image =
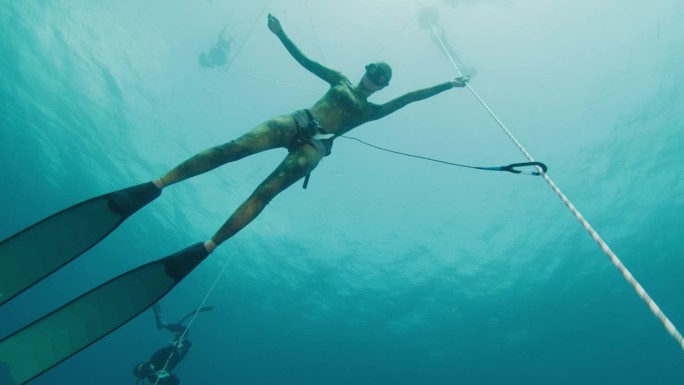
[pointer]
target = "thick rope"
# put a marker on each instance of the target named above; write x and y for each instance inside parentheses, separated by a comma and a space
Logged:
(669, 326)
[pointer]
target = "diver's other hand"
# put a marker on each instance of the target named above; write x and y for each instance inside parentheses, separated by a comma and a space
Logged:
(460, 81)
(274, 24)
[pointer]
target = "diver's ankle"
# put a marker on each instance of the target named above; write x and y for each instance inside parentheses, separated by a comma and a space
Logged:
(159, 183)
(210, 245)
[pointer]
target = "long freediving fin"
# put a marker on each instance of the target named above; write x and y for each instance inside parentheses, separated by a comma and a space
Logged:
(35, 252)
(192, 313)
(41, 345)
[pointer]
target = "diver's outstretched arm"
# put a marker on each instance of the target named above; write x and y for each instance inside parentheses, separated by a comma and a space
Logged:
(402, 101)
(327, 74)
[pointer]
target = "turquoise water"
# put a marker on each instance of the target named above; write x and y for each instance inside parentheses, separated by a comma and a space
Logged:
(387, 269)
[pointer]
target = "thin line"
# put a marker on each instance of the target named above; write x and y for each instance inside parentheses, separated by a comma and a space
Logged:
(192, 320)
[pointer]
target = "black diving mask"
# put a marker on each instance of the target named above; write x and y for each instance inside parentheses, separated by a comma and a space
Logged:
(377, 75)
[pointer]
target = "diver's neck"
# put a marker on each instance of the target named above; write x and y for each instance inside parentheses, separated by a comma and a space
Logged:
(362, 91)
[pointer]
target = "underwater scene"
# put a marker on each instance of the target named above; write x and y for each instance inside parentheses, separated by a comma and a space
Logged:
(493, 192)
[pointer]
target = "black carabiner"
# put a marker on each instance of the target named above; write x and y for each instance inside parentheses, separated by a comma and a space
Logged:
(511, 167)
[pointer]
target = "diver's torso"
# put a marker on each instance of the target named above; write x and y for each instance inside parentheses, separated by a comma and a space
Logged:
(341, 109)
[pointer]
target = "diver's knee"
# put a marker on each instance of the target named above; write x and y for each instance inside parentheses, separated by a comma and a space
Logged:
(262, 196)
(261, 199)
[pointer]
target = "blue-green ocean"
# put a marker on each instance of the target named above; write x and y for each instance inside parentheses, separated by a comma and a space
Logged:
(387, 269)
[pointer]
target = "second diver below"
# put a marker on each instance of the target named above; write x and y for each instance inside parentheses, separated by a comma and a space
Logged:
(307, 134)
(159, 368)
(218, 54)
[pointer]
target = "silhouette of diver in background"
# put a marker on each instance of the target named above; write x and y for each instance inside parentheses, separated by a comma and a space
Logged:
(428, 19)
(217, 55)
(157, 370)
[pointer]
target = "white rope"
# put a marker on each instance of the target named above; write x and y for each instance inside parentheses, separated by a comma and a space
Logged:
(225, 265)
(276, 82)
(249, 33)
(619, 265)
(669, 326)
(313, 29)
(390, 42)
(192, 320)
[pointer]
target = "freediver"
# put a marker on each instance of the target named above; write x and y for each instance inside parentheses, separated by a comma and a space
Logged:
(218, 54)
(428, 19)
(307, 134)
(35, 252)
(159, 368)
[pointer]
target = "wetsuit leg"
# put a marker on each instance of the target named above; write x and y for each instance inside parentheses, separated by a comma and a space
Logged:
(159, 320)
(277, 132)
(297, 164)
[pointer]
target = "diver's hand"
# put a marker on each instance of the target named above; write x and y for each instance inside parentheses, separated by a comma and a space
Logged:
(274, 24)
(460, 81)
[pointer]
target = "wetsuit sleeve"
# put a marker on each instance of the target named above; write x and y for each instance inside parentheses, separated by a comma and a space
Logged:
(395, 104)
(329, 75)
